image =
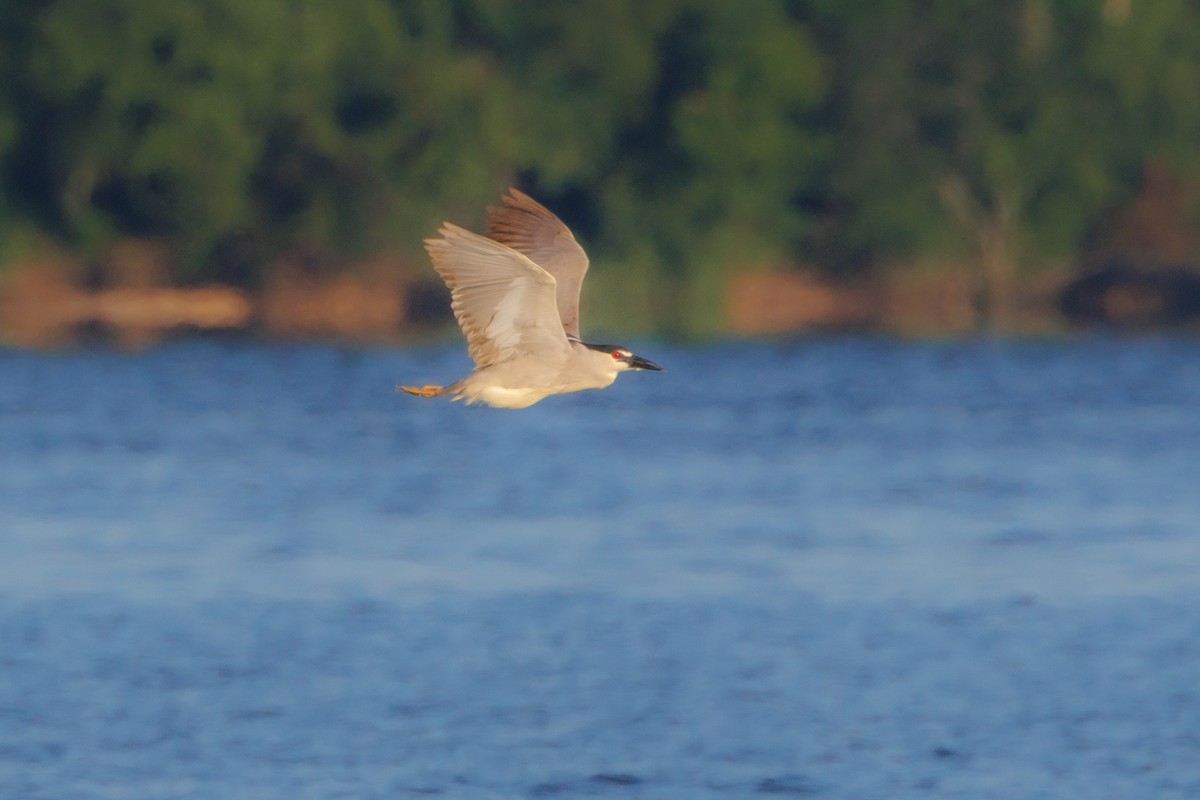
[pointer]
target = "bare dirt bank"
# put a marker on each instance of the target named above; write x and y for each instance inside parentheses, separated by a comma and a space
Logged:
(49, 304)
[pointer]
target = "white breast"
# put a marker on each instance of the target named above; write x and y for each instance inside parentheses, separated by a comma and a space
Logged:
(501, 397)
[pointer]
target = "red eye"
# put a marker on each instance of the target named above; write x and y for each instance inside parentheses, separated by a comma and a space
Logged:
(617, 355)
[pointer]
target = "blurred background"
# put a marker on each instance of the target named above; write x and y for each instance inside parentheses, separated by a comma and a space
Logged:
(770, 167)
(912, 511)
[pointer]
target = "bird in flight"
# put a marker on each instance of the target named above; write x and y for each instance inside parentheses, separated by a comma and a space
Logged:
(515, 293)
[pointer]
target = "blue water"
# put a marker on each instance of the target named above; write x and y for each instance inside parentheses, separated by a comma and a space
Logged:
(842, 568)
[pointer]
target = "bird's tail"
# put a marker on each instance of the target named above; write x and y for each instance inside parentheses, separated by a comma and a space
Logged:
(423, 391)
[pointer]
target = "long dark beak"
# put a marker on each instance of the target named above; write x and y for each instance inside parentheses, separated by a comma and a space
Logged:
(637, 362)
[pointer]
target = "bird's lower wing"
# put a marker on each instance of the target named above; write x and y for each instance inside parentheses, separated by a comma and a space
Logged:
(533, 230)
(504, 303)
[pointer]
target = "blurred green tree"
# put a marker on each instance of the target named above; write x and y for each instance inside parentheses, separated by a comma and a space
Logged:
(684, 123)
(682, 139)
(1001, 130)
(273, 123)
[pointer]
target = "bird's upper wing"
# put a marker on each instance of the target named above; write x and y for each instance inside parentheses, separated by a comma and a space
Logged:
(528, 227)
(503, 301)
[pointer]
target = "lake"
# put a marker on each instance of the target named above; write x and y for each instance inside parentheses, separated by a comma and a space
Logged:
(842, 567)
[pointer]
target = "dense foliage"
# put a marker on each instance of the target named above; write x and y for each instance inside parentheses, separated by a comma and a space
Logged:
(681, 138)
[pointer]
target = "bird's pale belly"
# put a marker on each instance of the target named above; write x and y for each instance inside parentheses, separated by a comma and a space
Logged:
(501, 397)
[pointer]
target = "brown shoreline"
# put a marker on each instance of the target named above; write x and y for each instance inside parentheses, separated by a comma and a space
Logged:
(42, 307)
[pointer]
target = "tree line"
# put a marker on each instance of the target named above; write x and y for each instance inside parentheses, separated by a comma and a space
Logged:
(681, 139)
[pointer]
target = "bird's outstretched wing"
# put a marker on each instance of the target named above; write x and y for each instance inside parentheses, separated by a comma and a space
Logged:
(528, 227)
(504, 302)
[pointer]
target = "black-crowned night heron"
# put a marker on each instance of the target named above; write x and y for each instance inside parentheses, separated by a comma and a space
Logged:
(515, 292)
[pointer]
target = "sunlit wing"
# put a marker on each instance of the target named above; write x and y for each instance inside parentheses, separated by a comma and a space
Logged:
(528, 227)
(504, 303)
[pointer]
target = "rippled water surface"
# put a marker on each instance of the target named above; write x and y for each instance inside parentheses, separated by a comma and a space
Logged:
(844, 568)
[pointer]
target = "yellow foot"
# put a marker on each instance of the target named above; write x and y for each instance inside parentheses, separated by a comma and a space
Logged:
(421, 391)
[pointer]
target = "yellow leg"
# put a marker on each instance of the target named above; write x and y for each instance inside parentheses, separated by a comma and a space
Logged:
(422, 391)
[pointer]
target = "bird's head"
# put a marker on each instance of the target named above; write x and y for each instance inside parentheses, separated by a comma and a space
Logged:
(624, 359)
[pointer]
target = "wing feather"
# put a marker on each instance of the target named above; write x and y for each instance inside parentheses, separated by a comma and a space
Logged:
(504, 303)
(530, 228)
